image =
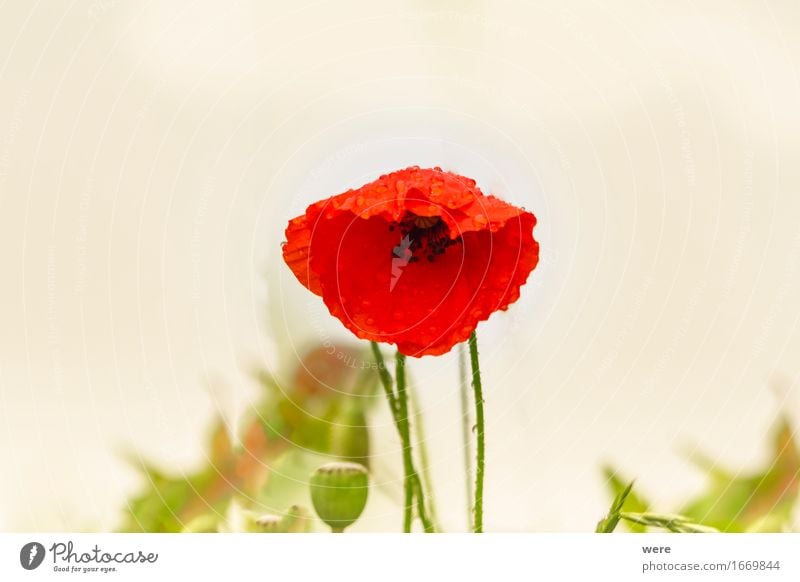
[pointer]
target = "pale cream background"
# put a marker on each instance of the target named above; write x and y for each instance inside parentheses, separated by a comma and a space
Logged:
(150, 154)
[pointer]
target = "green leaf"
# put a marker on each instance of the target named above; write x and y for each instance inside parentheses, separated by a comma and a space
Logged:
(760, 501)
(670, 522)
(630, 500)
(609, 523)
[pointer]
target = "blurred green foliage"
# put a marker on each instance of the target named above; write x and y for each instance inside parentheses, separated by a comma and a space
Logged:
(319, 413)
(733, 501)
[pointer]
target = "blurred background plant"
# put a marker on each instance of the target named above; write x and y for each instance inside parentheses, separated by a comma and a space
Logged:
(263, 481)
(733, 501)
(318, 415)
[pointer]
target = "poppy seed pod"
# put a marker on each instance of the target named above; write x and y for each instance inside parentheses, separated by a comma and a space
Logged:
(339, 493)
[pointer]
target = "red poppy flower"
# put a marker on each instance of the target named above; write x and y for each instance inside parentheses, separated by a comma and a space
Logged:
(416, 258)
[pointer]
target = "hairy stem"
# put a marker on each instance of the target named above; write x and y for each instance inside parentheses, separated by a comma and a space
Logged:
(398, 402)
(405, 435)
(465, 429)
(413, 484)
(385, 378)
(479, 424)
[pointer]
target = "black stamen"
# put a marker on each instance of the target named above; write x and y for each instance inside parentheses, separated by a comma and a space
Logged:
(427, 236)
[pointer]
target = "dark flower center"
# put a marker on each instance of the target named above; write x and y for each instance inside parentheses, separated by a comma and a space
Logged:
(421, 236)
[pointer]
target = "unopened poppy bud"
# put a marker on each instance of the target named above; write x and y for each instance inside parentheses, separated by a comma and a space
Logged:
(270, 524)
(339, 492)
(297, 520)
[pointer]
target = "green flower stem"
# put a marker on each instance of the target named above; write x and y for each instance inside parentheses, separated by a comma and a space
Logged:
(422, 511)
(413, 484)
(479, 423)
(398, 403)
(419, 436)
(465, 429)
(385, 378)
(405, 436)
